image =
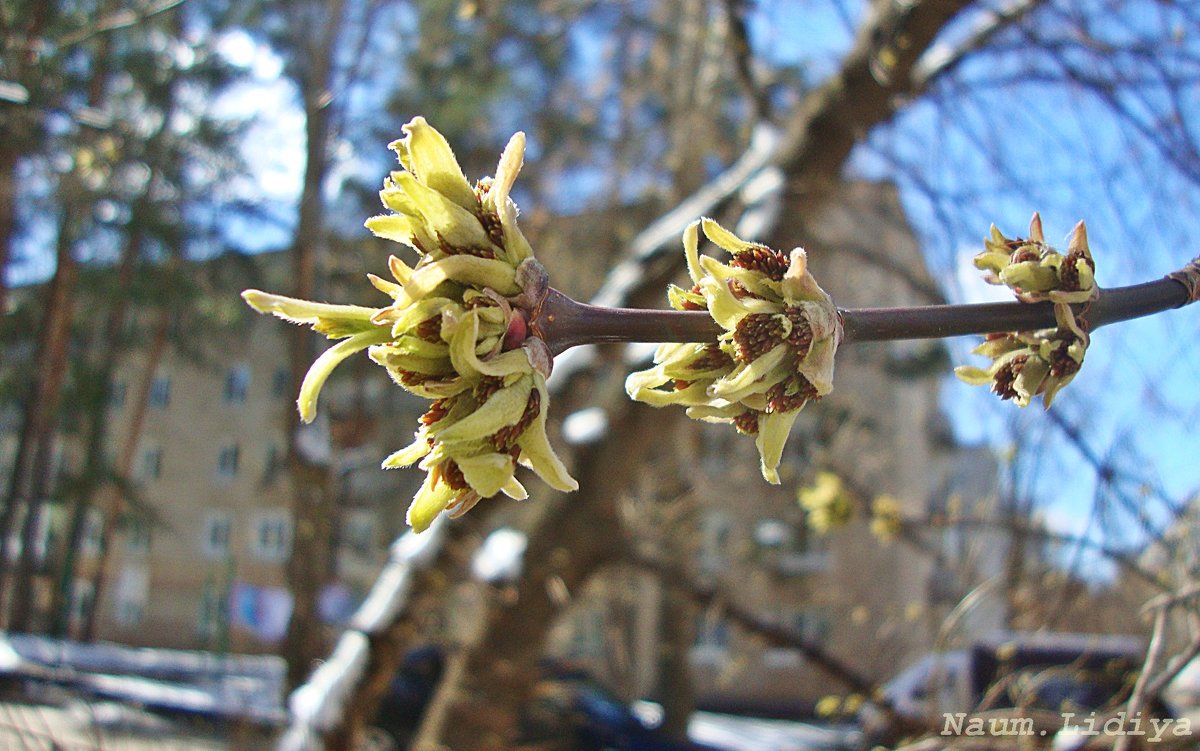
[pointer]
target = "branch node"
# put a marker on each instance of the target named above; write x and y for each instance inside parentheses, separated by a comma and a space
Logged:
(1189, 277)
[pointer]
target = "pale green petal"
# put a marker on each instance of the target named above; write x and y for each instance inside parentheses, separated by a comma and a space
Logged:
(335, 321)
(719, 411)
(463, 353)
(515, 245)
(456, 225)
(395, 227)
(433, 162)
(412, 345)
(817, 365)
(1029, 381)
(411, 453)
(694, 394)
(642, 380)
(487, 474)
(401, 271)
(400, 201)
(773, 430)
(406, 318)
(997, 347)
(503, 408)
(319, 372)
(973, 376)
(725, 239)
(515, 490)
(798, 284)
(536, 450)
(484, 272)
(1030, 276)
(429, 501)
(691, 251)
(391, 289)
(755, 377)
(755, 282)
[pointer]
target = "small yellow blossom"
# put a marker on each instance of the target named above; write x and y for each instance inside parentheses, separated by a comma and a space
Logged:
(826, 503)
(886, 519)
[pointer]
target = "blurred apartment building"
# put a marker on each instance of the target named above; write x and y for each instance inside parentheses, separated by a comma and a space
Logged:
(203, 566)
(200, 554)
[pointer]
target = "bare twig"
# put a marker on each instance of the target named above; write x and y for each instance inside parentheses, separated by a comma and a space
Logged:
(566, 323)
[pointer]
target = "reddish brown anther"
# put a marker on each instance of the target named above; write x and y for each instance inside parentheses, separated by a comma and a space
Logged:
(430, 329)
(772, 263)
(505, 439)
(1006, 376)
(713, 358)
(780, 400)
(436, 411)
(757, 334)
(747, 422)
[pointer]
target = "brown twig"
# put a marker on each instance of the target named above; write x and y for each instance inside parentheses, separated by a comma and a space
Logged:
(566, 323)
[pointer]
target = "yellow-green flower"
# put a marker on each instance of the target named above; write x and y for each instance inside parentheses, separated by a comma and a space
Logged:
(781, 333)
(1035, 271)
(1028, 363)
(456, 331)
(826, 502)
(886, 518)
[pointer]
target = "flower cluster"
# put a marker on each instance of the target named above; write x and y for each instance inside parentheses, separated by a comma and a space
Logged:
(781, 333)
(457, 331)
(826, 503)
(1028, 363)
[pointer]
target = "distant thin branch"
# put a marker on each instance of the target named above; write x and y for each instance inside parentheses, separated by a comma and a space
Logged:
(121, 19)
(673, 575)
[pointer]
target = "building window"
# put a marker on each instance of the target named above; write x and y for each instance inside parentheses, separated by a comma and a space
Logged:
(280, 382)
(274, 461)
(218, 530)
(117, 391)
(82, 598)
(44, 533)
(151, 465)
(227, 461)
(272, 536)
(715, 532)
(137, 537)
(358, 533)
(213, 615)
(93, 533)
(237, 383)
(131, 595)
(711, 646)
(160, 392)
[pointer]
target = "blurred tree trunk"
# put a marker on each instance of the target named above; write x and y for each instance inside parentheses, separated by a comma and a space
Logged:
(495, 674)
(677, 632)
(59, 315)
(95, 396)
(311, 564)
(111, 497)
(33, 464)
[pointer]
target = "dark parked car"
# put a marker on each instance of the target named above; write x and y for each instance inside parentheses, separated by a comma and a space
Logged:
(570, 709)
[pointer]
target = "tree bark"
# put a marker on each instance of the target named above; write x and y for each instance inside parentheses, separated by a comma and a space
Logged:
(573, 537)
(311, 564)
(32, 466)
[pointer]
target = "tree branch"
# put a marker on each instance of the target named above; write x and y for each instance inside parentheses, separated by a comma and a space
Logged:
(566, 323)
